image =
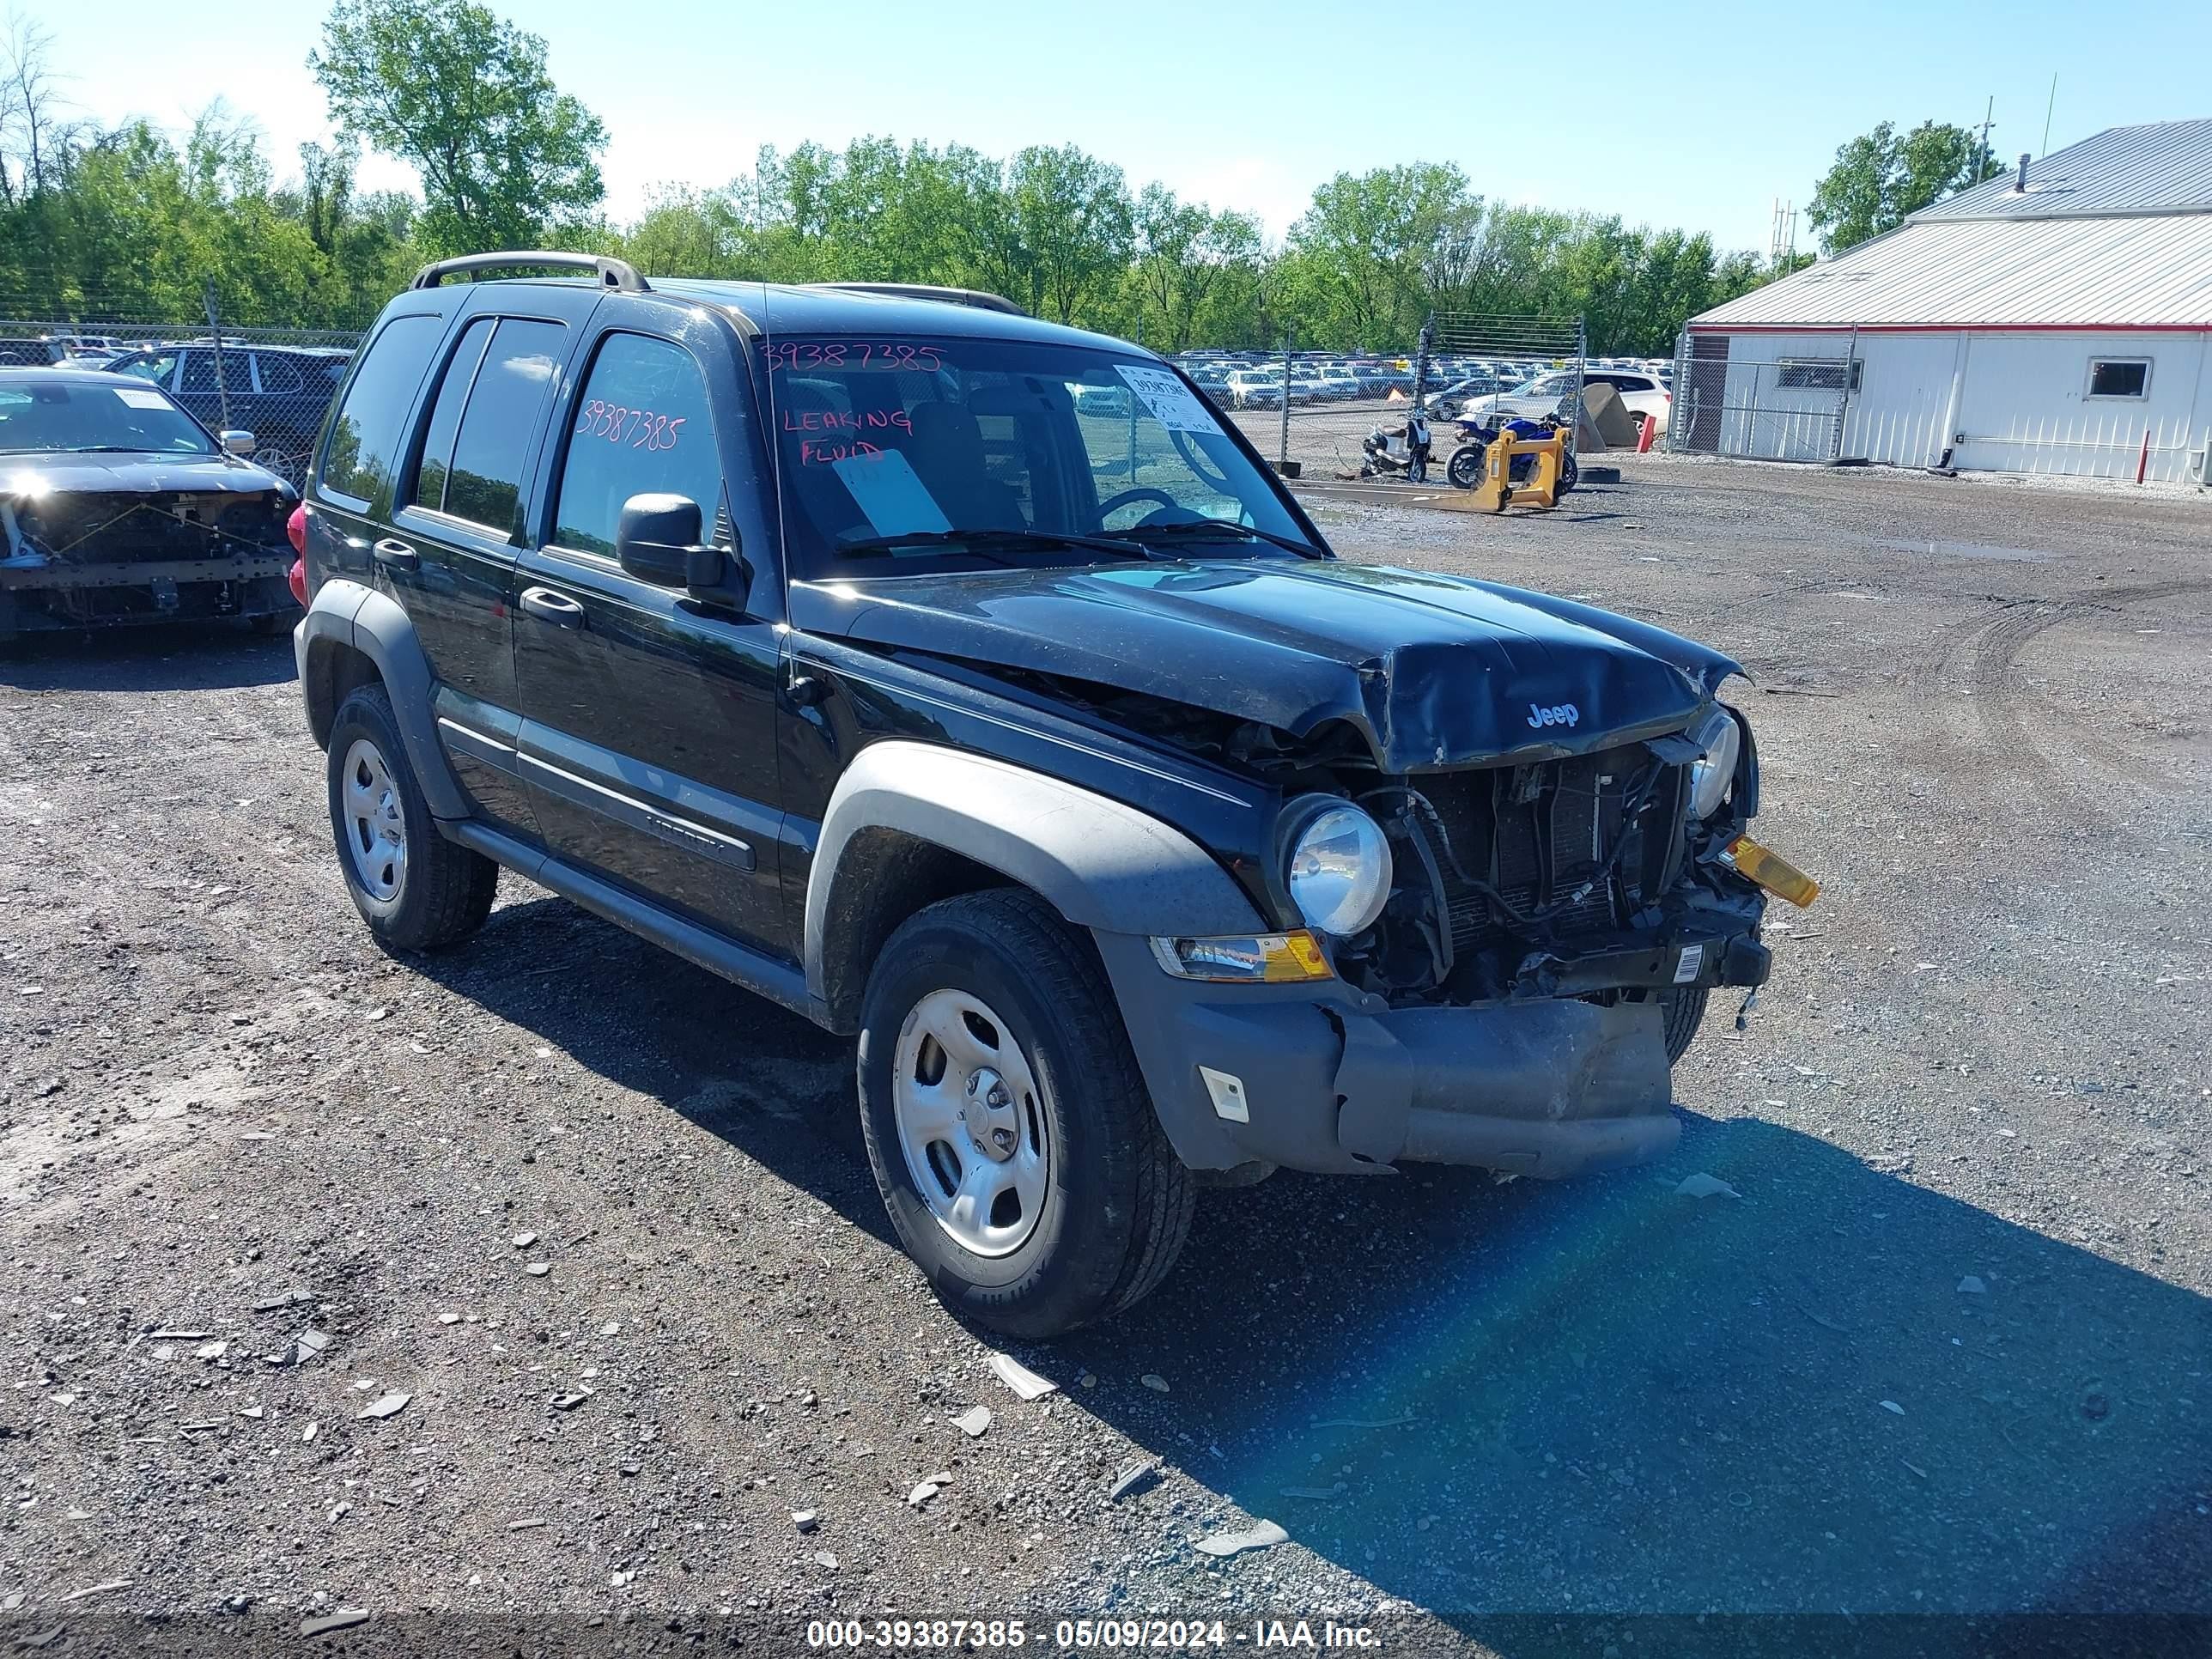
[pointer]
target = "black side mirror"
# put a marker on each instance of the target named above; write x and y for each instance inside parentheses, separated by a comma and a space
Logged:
(657, 540)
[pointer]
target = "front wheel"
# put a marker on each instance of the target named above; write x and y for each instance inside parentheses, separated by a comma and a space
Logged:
(1465, 467)
(1570, 474)
(1685, 1011)
(1008, 1127)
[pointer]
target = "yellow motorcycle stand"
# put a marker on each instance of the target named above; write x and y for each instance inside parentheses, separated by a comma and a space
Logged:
(1497, 491)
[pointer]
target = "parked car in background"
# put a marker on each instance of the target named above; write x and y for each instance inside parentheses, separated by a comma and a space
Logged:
(31, 353)
(279, 393)
(1548, 394)
(118, 507)
(1446, 404)
(1256, 389)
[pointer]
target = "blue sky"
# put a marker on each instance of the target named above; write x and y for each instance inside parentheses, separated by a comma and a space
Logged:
(1666, 115)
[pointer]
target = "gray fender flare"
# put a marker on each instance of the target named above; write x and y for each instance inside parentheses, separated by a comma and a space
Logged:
(352, 615)
(1103, 863)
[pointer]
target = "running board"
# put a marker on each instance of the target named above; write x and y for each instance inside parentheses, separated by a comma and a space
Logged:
(755, 971)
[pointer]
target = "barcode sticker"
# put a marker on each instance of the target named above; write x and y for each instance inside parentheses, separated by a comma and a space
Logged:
(1692, 958)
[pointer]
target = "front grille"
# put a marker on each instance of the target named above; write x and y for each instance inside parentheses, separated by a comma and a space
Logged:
(1535, 834)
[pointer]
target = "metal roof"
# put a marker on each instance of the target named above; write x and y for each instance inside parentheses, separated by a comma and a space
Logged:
(2163, 167)
(1988, 273)
(2114, 232)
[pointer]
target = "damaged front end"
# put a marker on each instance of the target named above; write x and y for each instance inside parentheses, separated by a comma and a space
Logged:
(72, 559)
(1603, 875)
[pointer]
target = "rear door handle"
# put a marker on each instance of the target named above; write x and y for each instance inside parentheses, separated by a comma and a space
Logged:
(396, 556)
(556, 608)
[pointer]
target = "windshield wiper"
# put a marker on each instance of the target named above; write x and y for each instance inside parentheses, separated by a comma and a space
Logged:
(983, 541)
(1196, 527)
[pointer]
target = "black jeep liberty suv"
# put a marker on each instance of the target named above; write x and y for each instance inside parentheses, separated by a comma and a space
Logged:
(969, 684)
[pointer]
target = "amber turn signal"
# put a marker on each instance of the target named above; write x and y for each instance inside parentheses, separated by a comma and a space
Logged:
(1774, 872)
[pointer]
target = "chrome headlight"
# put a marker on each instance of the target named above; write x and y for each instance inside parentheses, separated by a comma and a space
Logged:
(1338, 868)
(1712, 772)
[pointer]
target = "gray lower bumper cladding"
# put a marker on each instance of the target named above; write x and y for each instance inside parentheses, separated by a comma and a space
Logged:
(1334, 1084)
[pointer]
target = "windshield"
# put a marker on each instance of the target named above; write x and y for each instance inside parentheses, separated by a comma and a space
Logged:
(57, 415)
(878, 440)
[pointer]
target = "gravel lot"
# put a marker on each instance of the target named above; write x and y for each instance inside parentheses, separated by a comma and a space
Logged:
(1946, 1351)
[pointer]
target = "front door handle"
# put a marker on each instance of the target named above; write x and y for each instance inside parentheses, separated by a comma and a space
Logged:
(396, 556)
(556, 608)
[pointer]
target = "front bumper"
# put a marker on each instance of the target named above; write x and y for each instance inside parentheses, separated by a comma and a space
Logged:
(1338, 1082)
(56, 594)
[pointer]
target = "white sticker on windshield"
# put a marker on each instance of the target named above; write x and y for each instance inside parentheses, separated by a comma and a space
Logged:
(142, 396)
(1169, 399)
(890, 493)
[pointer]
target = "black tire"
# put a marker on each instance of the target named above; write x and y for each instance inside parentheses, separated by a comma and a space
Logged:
(1570, 474)
(1684, 1011)
(447, 890)
(1465, 467)
(1118, 1203)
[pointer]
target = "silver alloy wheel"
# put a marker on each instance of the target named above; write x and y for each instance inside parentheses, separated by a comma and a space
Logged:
(376, 827)
(970, 1123)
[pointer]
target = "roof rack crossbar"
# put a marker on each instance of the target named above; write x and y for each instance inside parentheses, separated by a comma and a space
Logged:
(950, 296)
(618, 274)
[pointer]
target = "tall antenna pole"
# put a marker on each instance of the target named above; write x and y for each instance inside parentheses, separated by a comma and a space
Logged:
(2047, 108)
(1982, 159)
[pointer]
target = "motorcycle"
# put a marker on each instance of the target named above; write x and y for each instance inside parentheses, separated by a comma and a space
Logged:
(1464, 469)
(1386, 454)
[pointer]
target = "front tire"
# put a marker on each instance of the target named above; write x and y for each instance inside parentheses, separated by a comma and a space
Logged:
(416, 889)
(1684, 1011)
(1010, 1131)
(1465, 467)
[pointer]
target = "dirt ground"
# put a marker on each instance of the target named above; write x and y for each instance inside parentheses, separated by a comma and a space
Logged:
(606, 1224)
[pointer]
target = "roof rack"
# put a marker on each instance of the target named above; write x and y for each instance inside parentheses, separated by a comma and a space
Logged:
(618, 274)
(950, 296)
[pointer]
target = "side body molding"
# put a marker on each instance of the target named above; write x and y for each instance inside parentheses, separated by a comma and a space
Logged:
(1102, 864)
(350, 615)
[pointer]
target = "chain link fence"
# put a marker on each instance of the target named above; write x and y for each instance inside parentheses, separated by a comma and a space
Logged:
(1738, 396)
(1312, 410)
(276, 383)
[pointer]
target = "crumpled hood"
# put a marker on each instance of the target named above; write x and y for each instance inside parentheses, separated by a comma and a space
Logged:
(151, 473)
(1432, 670)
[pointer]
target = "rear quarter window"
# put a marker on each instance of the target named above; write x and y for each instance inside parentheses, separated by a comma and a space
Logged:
(367, 435)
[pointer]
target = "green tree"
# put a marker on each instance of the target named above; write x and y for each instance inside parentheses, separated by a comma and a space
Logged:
(1881, 177)
(1361, 257)
(1071, 218)
(464, 97)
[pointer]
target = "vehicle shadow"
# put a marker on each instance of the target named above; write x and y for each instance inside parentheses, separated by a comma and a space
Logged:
(157, 656)
(1610, 1396)
(1839, 1391)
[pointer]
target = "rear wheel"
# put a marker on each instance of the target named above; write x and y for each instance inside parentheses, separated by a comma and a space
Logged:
(416, 889)
(1570, 474)
(1010, 1131)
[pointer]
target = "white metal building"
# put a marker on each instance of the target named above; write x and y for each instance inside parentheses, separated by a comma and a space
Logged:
(2048, 328)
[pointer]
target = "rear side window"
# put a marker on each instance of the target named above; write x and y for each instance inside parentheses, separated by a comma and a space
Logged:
(431, 474)
(641, 427)
(365, 435)
(278, 374)
(499, 422)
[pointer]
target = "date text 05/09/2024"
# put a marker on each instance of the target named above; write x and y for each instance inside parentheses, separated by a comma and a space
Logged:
(1084, 1635)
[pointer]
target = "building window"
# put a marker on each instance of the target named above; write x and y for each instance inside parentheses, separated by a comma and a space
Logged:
(2119, 377)
(1817, 373)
